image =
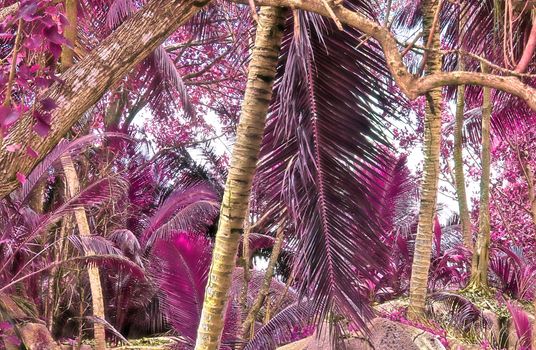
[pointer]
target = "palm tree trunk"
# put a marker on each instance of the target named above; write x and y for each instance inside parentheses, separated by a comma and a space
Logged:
(73, 187)
(458, 154)
(265, 287)
(479, 268)
(458, 170)
(432, 143)
(262, 69)
(87, 81)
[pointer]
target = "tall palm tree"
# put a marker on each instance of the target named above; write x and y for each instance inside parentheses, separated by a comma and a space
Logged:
(479, 268)
(235, 202)
(432, 142)
(73, 187)
(458, 150)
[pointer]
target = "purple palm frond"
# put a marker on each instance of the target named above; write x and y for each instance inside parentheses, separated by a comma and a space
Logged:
(93, 195)
(461, 312)
(180, 269)
(522, 325)
(64, 147)
(281, 328)
(320, 149)
(190, 208)
(512, 274)
(93, 245)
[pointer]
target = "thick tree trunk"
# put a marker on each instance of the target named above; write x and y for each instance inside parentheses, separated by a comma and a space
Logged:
(432, 143)
(85, 83)
(73, 187)
(262, 69)
(479, 268)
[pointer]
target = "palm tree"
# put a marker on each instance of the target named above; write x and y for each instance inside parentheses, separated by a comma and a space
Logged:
(458, 150)
(235, 202)
(432, 141)
(479, 268)
(73, 187)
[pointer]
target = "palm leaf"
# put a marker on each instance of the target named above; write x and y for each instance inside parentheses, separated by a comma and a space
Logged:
(319, 152)
(190, 208)
(279, 330)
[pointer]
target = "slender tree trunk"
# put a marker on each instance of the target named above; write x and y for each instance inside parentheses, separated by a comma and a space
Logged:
(73, 187)
(85, 82)
(432, 143)
(262, 69)
(458, 170)
(265, 287)
(479, 268)
(458, 155)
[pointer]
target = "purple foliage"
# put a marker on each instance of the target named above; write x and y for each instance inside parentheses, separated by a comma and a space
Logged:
(522, 325)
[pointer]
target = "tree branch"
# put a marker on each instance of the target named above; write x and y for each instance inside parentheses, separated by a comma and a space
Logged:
(81, 86)
(411, 85)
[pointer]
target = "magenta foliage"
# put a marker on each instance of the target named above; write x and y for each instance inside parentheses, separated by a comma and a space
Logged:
(514, 274)
(180, 268)
(190, 208)
(522, 325)
(319, 147)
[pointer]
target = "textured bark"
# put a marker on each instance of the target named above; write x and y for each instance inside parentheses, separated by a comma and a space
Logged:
(457, 151)
(85, 83)
(479, 267)
(458, 170)
(262, 69)
(530, 47)
(73, 187)
(71, 9)
(8, 10)
(265, 287)
(432, 143)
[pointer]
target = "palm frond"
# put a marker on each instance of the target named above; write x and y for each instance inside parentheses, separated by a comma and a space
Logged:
(281, 328)
(522, 325)
(320, 146)
(461, 313)
(190, 208)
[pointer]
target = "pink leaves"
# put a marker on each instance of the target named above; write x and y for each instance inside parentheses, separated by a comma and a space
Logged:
(21, 178)
(7, 117)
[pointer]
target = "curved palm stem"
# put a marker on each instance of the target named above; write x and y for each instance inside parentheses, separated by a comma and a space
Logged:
(458, 155)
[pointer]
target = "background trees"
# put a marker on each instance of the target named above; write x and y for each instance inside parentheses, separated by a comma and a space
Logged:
(318, 174)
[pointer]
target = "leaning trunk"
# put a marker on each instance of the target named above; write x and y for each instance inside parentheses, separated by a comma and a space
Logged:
(432, 143)
(87, 81)
(262, 69)
(73, 187)
(479, 268)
